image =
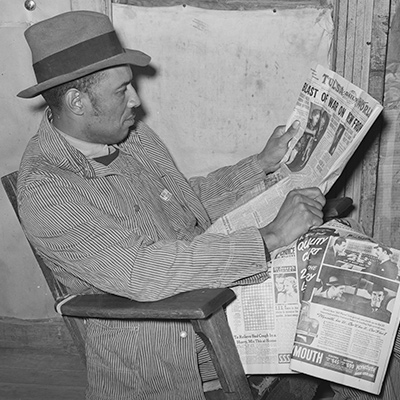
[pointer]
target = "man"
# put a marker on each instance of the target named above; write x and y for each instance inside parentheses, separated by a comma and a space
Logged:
(102, 201)
(376, 308)
(307, 327)
(338, 135)
(335, 254)
(332, 289)
(384, 266)
(279, 285)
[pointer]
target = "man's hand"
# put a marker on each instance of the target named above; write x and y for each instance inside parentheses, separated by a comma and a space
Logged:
(301, 210)
(276, 147)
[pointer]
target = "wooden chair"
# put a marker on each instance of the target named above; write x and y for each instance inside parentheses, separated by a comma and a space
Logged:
(203, 308)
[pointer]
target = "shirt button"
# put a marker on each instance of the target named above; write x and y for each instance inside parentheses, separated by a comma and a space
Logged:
(136, 208)
(183, 334)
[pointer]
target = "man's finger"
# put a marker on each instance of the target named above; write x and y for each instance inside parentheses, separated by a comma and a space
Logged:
(292, 130)
(313, 194)
(313, 203)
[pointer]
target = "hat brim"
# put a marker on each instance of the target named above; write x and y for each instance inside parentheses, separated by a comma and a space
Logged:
(132, 57)
(336, 284)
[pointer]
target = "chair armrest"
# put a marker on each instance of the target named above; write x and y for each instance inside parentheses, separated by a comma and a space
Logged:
(337, 207)
(196, 304)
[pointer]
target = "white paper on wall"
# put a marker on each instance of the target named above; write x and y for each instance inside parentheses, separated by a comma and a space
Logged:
(222, 80)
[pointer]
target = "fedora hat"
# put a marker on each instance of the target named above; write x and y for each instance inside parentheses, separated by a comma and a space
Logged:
(376, 287)
(335, 281)
(72, 45)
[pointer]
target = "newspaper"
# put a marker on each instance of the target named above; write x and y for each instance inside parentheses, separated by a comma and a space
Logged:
(286, 324)
(330, 309)
(350, 310)
(334, 117)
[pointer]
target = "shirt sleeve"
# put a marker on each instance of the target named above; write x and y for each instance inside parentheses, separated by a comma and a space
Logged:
(220, 190)
(86, 245)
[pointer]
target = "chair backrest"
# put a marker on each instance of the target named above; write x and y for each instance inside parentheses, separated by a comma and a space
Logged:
(57, 289)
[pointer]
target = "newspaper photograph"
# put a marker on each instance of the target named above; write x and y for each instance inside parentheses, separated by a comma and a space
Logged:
(334, 117)
(349, 312)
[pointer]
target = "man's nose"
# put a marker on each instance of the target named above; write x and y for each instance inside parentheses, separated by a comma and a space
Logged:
(134, 100)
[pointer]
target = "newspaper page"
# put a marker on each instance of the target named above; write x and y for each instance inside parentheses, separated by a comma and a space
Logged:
(263, 318)
(349, 312)
(334, 117)
(330, 309)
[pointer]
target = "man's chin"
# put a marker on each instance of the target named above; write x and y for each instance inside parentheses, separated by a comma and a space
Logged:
(125, 135)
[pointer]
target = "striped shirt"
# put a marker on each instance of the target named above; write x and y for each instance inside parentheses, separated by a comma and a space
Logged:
(136, 228)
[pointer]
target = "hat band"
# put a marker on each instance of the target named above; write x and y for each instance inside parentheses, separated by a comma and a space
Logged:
(79, 56)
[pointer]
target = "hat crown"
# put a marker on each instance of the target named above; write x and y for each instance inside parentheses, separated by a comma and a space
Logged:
(376, 287)
(335, 281)
(67, 30)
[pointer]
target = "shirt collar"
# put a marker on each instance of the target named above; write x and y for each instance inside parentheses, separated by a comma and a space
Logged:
(88, 149)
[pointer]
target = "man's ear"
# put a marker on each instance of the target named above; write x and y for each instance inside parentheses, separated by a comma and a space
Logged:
(73, 100)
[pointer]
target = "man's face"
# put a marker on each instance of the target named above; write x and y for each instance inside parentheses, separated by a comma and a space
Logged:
(340, 247)
(315, 118)
(109, 114)
(279, 284)
(338, 291)
(377, 298)
(378, 253)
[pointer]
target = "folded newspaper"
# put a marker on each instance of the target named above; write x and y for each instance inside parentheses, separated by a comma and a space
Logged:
(349, 312)
(330, 308)
(334, 117)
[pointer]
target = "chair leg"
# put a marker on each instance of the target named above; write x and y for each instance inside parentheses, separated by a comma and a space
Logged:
(217, 336)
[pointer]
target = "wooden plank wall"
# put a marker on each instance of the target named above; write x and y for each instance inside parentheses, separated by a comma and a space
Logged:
(359, 54)
(387, 209)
